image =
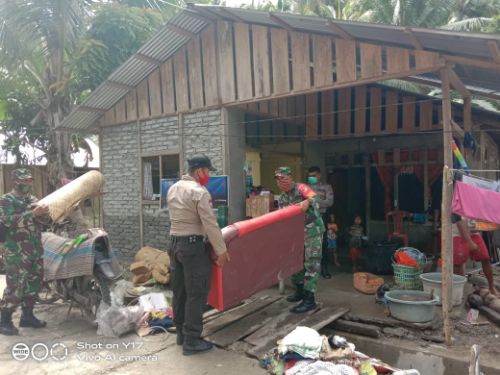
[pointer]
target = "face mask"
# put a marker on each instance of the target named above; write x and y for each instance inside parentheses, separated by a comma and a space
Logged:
(312, 180)
(284, 185)
(203, 178)
(24, 188)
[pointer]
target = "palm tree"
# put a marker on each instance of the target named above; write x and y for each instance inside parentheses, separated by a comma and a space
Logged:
(38, 38)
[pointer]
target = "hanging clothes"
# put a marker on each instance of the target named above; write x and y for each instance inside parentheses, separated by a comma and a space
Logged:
(476, 203)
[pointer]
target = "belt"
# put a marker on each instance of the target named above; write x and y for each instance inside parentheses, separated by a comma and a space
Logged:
(193, 238)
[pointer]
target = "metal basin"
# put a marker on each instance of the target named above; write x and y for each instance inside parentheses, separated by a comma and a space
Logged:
(411, 305)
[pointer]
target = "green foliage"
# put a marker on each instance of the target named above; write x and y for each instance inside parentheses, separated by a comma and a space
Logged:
(116, 32)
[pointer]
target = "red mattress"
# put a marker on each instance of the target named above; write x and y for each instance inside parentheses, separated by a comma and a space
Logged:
(263, 251)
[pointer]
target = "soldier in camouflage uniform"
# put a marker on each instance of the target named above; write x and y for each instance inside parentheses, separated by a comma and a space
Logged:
(302, 195)
(22, 244)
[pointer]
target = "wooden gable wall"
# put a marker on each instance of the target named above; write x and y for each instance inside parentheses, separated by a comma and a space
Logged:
(232, 63)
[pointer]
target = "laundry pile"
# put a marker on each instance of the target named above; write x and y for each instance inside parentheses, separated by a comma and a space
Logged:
(155, 321)
(305, 352)
(150, 263)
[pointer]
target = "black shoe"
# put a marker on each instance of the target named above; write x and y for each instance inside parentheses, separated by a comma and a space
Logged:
(325, 272)
(195, 346)
(179, 339)
(307, 304)
(6, 326)
(30, 320)
(298, 295)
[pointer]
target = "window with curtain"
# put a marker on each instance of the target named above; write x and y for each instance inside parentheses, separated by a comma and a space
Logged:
(155, 168)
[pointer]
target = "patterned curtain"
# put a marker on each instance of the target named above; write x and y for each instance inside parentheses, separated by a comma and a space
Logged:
(147, 191)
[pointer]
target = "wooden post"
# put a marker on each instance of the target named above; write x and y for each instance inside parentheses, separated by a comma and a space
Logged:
(446, 240)
(368, 184)
(427, 188)
(141, 179)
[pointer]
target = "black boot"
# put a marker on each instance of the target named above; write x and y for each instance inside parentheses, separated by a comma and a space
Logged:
(29, 320)
(6, 326)
(307, 304)
(195, 346)
(298, 295)
(325, 272)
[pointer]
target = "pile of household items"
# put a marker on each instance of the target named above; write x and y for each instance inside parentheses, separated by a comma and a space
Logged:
(305, 352)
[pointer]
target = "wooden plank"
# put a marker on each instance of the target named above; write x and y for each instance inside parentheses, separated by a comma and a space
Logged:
(120, 112)
(195, 76)
(243, 61)
(264, 107)
(279, 328)
(261, 63)
(291, 126)
(345, 61)
(109, 117)
(210, 78)
(226, 61)
(391, 111)
(143, 99)
(300, 109)
(155, 92)
(344, 111)
(409, 113)
(371, 60)
(167, 87)
(360, 110)
(375, 110)
(273, 107)
(236, 313)
(328, 118)
(248, 325)
(425, 115)
(181, 81)
(301, 73)
(131, 100)
(398, 60)
(357, 328)
(281, 68)
(312, 116)
(322, 57)
(426, 59)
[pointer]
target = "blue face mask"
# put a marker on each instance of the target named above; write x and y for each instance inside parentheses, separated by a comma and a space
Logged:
(312, 180)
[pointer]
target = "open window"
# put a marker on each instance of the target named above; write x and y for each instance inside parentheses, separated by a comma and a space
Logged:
(155, 168)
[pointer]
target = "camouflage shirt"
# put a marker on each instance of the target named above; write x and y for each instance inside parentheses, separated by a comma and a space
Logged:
(314, 223)
(21, 232)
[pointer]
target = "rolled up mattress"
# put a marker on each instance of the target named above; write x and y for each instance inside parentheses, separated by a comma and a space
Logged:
(62, 201)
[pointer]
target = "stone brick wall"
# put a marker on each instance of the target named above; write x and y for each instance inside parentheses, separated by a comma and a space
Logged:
(159, 135)
(203, 134)
(121, 170)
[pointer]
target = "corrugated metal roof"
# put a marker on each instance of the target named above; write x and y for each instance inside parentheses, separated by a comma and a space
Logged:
(166, 42)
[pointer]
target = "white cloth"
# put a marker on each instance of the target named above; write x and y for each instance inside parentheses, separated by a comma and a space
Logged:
(302, 340)
(320, 368)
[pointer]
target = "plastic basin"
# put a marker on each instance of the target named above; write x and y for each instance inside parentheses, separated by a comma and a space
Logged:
(433, 281)
(412, 306)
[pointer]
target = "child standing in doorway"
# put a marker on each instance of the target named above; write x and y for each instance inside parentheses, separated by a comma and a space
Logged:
(332, 230)
(356, 241)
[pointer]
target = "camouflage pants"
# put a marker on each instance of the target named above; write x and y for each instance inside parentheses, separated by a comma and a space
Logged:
(312, 263)
(24, 275)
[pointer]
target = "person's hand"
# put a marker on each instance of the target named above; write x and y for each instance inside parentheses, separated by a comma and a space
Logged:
(221, 260)
(304, 205)
(40, 210)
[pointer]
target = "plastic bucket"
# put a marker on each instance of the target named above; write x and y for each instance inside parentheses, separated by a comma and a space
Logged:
(433, 281)
(411, 305)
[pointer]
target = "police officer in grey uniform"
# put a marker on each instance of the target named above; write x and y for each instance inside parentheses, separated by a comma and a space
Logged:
(191, 221)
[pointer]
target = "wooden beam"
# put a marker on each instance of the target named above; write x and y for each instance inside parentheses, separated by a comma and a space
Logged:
(339, 30)
(148, 59)
(413, 39)
(446, 240)
(180, 31)
(494, 50)
(457, 130)
(472, 62)
(281, 22)
(194, 13)
(230, 14)
(457, 83)
(467, 113)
